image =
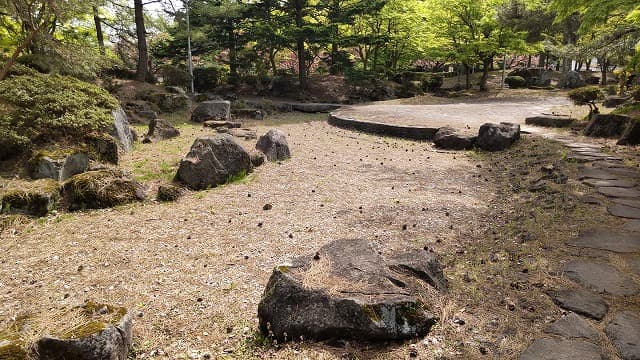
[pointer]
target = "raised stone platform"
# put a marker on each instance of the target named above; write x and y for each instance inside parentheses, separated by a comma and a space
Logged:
(384, 129)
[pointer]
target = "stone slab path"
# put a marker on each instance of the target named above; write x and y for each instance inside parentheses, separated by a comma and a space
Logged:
(598, 284)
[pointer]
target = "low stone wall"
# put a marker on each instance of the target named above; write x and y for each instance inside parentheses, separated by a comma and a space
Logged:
(401, 131)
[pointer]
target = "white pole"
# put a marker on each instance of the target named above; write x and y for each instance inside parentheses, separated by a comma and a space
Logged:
(189, 61)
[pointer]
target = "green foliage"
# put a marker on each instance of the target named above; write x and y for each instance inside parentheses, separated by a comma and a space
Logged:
(586, 95)
(516, 82)
(597, 12)
(40, 108)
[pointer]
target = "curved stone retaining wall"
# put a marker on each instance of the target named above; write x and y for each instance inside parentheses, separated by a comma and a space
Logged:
(401, 131)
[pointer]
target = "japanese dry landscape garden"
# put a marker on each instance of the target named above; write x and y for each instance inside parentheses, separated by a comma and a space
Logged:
(319, 179)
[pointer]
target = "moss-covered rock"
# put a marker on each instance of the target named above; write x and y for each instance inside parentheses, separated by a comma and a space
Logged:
(168, 193)
(104, 332)
(101, 189)
(102, 147)
(35, 198)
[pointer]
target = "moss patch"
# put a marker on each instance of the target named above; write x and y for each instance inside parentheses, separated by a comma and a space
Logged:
(101, 189)
(36, 198)
(39, 108)
(98, 317)
(11, 351)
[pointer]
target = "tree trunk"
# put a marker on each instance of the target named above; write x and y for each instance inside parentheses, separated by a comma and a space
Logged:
(142, 71)
(99, 34)
(334, 17)
(603, 69)
(485, 73)
(467, 76)
(302, 69)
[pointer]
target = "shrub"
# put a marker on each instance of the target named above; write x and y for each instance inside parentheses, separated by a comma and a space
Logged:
(515, 82)
(208, 78)
(41, 108)
(175, 75)
(587, 95)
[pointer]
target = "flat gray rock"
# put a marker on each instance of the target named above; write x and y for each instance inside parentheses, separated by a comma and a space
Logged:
(582, 158)
(608, 239)
(632, 225)
(600, 277)
(610, 183)
(593, 173)
(580, 301)
(619, 192)
(624, 332)
(572, 326)
(624, 211)
(574, 145)
(609, 164)
(627, 202)
(559, 349)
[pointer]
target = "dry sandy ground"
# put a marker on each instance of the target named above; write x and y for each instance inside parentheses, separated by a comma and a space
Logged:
(195, 269)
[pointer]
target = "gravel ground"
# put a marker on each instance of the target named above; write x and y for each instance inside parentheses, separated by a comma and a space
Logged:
(195, 269)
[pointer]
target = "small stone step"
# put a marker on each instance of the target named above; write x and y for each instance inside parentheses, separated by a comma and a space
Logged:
(619, 192)
(624, 211)
(600, 277)
(610, 183)
(580, 301)
(559, 349)
(573, 326)
(624, 332)
(608, 239)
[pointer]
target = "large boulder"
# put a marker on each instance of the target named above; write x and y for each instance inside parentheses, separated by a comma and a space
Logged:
(58, 166)
(495, 137)
(169, 102)
(212, 161)
(349, 291)
(212, 110)
(450, 139)
(101, 189)
(162, 129)
(255, 114)
(572, 80)
(104, 333)
(274, 145)
(121, 131)
(607, 125)
(36, 198)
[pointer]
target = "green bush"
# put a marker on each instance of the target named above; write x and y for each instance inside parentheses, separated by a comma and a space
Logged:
(587, 95)
(175, 75)
(208, 78)
(39, 108)
(516, 82)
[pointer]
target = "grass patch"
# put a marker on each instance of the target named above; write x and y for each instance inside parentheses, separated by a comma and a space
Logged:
(240, 178)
